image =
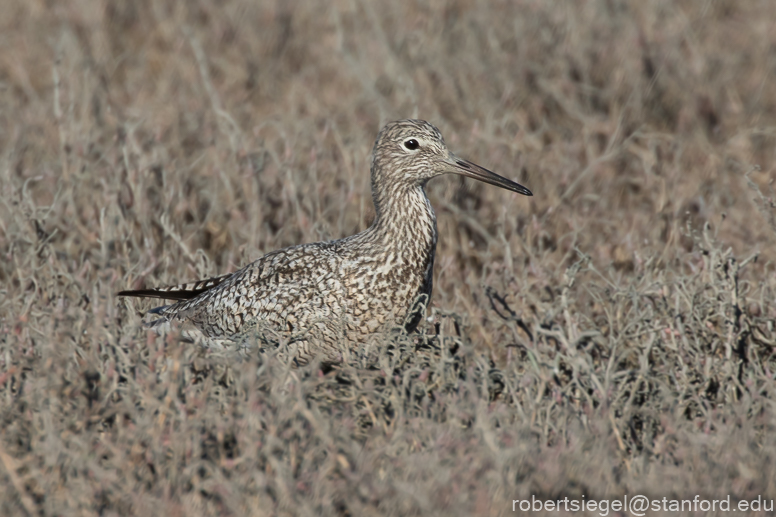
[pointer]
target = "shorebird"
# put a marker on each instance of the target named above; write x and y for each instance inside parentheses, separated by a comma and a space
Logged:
(318, 297)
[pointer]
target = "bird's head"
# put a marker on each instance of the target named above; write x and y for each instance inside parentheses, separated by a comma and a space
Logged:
(411, 152)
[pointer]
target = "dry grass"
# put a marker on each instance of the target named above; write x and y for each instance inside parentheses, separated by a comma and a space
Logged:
(612, 335)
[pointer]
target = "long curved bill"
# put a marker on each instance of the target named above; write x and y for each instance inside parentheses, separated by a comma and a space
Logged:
(472, 170)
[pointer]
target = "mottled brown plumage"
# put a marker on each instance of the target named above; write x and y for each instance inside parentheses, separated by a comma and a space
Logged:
(320, 297)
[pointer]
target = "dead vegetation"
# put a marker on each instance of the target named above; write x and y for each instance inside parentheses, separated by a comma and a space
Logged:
(612, 335)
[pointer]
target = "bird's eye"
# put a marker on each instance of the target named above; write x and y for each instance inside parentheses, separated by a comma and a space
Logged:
(411, 144)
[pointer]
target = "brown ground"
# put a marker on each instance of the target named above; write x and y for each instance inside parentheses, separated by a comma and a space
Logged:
(616, 330)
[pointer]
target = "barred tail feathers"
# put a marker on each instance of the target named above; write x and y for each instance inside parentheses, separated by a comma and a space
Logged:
(177, 292)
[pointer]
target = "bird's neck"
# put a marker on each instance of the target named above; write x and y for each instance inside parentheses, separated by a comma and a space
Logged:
(404, 220)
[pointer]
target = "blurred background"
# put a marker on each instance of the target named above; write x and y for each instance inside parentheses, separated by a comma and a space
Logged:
(250, 123)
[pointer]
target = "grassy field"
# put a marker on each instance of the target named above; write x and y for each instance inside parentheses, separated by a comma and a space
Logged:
(612, 335)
